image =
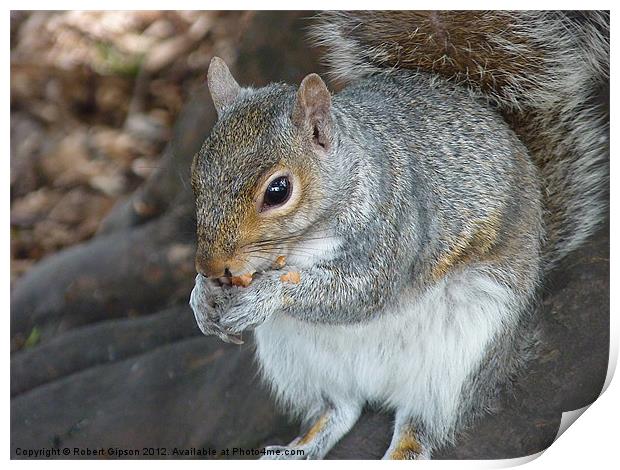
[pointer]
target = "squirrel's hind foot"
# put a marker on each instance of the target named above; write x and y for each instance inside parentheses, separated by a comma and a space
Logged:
(325, 431)
(407, 442)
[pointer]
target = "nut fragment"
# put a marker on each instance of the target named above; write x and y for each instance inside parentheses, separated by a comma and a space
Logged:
(280, 262)
(242, 281)
(293, 277)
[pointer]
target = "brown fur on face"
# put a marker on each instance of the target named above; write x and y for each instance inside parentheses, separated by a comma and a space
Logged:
(252, 140)
(231, 245)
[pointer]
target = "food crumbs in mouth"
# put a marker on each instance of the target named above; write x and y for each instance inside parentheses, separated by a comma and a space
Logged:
(293, 277)
(242, 281)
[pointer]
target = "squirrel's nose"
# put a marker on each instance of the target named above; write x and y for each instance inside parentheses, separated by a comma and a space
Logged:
(211, 267)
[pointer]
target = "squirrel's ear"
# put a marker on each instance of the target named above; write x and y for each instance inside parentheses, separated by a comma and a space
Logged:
(312, 111)
(223, 87)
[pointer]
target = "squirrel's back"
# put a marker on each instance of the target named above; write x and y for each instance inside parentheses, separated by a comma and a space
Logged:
(545, 72)
(453, 162)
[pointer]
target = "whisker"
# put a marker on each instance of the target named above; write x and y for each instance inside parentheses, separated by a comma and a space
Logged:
(273, 241)
(274, 250)
(290, 251)
(273, 247)
(252, 266)
(261, 257)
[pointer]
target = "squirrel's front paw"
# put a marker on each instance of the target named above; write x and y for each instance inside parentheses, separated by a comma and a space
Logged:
(243, 315)
(207, 300)
(252, 305)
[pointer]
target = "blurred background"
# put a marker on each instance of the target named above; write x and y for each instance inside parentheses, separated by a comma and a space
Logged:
(107, 111)
(94, 96)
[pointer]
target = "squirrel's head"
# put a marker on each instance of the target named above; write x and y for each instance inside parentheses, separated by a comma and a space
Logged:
(259, 177)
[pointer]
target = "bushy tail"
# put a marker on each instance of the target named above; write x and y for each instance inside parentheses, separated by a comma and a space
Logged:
(547, 73)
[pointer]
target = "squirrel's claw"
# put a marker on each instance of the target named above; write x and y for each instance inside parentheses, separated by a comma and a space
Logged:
(227, 338)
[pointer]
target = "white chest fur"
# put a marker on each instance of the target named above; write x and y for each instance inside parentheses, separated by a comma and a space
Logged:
(414, 358)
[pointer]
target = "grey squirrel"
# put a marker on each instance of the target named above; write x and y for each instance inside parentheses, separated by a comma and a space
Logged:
(419, 208)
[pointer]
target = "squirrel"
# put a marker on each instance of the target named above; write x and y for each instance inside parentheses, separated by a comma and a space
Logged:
(421, 208)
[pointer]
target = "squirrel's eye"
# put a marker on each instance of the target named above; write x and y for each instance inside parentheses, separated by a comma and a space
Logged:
(278, 192)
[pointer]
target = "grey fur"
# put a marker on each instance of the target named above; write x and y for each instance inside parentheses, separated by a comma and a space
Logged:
(557, 98)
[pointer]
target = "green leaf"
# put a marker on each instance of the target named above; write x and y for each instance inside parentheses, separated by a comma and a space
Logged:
(33, 338)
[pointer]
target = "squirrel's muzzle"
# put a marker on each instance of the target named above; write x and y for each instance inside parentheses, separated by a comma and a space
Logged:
(212, 268)
(219, 266)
